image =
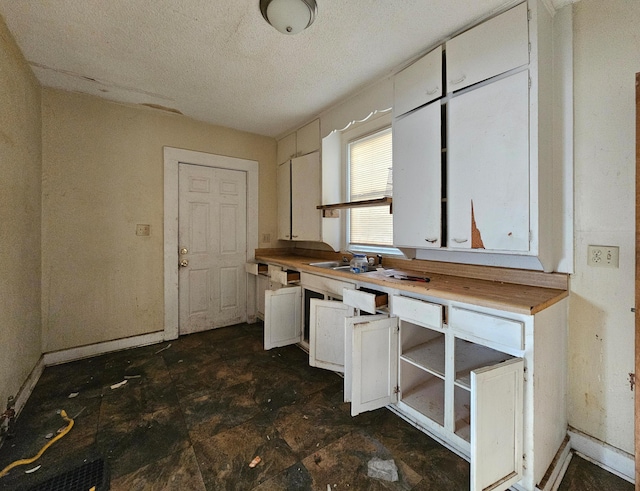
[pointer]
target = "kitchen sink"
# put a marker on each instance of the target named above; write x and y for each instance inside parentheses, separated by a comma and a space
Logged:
(335, 265)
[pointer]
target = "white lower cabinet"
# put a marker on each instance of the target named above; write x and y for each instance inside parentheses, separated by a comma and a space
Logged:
(464, 382)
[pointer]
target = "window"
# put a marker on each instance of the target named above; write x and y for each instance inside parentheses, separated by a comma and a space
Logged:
(369, 176)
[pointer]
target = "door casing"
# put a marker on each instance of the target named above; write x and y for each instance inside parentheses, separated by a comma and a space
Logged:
(172, 157)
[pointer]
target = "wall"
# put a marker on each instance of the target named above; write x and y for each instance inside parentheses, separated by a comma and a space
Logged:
(601, 327)
(102, 175)
(20, 164)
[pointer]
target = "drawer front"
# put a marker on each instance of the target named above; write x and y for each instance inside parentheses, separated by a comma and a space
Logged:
(487, 328)
(322, 284)
(255, 268)
(363, 300)
(425, 313)
(285, 277)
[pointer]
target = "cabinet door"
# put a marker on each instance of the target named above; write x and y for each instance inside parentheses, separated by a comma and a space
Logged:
(282, 317)
(284, 201)
(497, 395)
(308, 138)
(262, 285)
(371, 365)
(286, 148)
(488, 167)
(326, 334)
(494, 47)
(306, 219)
(417, 160)
(418, 84)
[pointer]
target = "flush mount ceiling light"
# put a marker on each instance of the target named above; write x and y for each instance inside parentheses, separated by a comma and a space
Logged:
(289, 16)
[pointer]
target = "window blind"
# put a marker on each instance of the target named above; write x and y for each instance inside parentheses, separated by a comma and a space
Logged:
(370, 163)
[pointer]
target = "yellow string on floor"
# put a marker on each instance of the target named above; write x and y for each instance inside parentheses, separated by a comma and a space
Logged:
(6, 470)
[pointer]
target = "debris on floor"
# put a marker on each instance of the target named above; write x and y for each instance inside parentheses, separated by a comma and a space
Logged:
(255, 462)
(163, 349)
(73, 394)
(386, 470)
(31, 471)
(118, 385)
(129, 377)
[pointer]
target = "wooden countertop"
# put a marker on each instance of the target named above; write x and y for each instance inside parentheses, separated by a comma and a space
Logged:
(521, 299)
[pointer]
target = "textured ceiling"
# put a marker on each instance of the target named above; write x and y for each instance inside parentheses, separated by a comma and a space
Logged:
(218, 60)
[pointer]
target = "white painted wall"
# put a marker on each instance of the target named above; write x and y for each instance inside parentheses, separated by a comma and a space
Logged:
(21, 164)
(601, 324)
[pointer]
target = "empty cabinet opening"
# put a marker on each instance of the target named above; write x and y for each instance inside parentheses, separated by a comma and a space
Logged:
(423, 391)
(468, 357)
(308, 295)
(422, 370)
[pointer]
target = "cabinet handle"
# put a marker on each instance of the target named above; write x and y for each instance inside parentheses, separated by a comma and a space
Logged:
(294, 236)
(431, 92)
(431, 241)
(460, 241)
(460, 80)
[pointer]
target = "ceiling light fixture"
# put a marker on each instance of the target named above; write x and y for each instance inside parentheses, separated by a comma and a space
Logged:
(289, 16)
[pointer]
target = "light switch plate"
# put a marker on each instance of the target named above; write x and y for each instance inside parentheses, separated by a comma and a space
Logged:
(603, 256)
(143, 230)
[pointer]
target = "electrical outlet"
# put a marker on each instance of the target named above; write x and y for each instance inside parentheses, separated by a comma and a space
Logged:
(266, 238)
(603, 256)
(143, 230)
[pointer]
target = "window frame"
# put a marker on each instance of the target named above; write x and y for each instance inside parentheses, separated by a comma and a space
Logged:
(362, 130)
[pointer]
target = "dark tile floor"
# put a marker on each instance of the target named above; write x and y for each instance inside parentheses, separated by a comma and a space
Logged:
(194, 415)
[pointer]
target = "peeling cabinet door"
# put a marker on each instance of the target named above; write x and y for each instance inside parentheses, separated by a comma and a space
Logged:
(488, 167)
(497, 397)
(326, 334)
(282, 317)
(371, 364)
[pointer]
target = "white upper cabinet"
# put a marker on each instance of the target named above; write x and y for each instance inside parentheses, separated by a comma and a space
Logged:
(308, 138)
(305, 140)
(298, 190)
(305, 197)
(418, 84)
(417, 194)
(489, 49)
(488, 167)
(286, 148)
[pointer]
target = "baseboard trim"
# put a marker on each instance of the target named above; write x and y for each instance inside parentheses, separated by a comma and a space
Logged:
(29, 384)
(612, 459)
(72, 354)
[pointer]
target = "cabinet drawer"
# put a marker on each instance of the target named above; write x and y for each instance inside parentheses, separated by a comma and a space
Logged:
(256, 268)
(325, 285)
(424, 313)
(364, 299)
(485, 328)
(284, 277)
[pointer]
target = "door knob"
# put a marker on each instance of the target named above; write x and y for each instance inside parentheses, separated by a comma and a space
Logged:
(184, 263)
(184, 251)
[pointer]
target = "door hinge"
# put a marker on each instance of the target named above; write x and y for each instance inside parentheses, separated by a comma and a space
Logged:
(396, 389)
(529, 48)
(530, 82)
(632, 381)
(524, 460)
(524, 374)
(528, 14)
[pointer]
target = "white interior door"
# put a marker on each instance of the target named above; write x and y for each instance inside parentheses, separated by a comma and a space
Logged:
(212, 240)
